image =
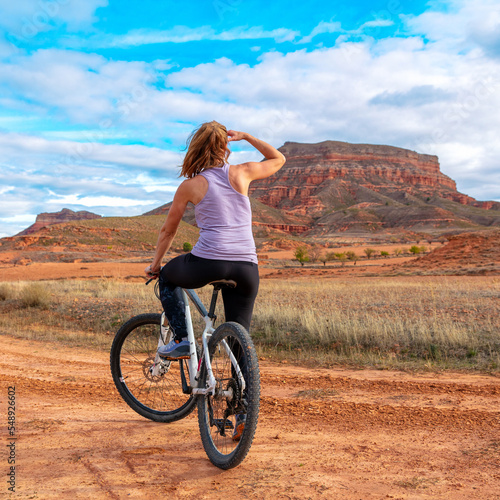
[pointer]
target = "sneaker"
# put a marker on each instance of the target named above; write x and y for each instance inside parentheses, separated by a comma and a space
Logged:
(175, 349)
(239, 426)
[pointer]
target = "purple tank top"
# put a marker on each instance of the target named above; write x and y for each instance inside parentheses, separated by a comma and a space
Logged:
(224, 217)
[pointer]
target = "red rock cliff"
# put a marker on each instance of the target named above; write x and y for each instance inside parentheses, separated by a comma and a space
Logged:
(310, 167)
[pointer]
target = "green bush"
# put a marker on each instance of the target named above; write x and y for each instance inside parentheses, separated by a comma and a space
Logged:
(301, 255)
(35, 295)
(187, 247)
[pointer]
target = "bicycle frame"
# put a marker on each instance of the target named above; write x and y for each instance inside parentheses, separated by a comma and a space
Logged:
(194, 362)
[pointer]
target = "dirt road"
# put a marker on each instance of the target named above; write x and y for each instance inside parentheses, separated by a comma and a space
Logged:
(336, 434)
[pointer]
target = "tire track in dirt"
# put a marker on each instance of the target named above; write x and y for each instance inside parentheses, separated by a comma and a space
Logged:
(346, 414)
(101, 481)
(383, 386)
(350, 415)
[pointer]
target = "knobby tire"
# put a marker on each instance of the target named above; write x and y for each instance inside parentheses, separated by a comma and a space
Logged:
(215, 413)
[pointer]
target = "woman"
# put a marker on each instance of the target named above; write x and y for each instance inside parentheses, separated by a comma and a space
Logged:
(225, 248)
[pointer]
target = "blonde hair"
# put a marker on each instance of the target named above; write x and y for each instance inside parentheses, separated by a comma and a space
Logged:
(207, 148)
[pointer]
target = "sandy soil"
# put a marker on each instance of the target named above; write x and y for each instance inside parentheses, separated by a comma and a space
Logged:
(325, 433)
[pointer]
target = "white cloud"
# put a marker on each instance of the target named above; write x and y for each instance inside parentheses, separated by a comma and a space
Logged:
(20, 147)
(321, 28)
(464, 25)
(96, 201)
(21, 218)
(6, 189)
(376, 23)
(25, 19)
(83, 87)
(184, 34)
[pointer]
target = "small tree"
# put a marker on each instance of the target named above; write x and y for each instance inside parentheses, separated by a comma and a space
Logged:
(415, 250)
(342, 257)
(187, 247)
(352, 256)
(330, 256)
(315, 253)
(384, 253)
(301, 255)
(369, 252)
(397, 251)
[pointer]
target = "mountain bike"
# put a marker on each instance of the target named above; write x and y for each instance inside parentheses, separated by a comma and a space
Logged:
(221, 377)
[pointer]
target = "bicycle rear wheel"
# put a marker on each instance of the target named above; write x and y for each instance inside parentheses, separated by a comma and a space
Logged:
(150, 386)
(217, 413)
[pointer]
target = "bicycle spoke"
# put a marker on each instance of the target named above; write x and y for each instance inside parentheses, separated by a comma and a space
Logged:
(151, 387)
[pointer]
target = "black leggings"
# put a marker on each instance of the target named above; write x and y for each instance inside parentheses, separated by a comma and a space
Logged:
(189, 271)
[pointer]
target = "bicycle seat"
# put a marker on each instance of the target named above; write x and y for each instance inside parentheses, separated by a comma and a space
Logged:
(222, 283)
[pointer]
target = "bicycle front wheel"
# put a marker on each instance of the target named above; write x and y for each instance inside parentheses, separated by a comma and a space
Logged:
(150, 386)
(220, 414)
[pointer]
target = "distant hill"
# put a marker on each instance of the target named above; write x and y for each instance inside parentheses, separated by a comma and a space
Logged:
(106, 238)
(476, 253)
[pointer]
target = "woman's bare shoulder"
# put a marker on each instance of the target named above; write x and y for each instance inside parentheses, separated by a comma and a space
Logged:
(194, 189)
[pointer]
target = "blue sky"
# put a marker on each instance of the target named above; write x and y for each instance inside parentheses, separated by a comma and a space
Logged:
(97, 97)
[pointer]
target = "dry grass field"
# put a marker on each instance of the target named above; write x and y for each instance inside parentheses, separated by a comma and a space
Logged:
(397, 322)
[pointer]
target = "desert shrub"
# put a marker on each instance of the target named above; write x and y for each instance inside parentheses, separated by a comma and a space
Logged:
(384, 253)
(35, 295)
(369, 252)
(5, 291)
(187, 247)
(415, 250)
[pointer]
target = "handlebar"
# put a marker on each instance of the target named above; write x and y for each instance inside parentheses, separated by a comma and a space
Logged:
(151, 278)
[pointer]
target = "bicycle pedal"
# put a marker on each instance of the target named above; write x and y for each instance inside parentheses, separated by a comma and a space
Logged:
(220, 422)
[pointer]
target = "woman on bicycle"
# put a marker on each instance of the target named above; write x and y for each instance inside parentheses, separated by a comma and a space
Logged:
(225, 248)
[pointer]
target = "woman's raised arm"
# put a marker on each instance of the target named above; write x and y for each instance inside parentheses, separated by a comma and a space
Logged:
(254, 170)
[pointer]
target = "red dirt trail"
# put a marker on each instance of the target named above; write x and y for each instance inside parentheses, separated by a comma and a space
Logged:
(323, 433)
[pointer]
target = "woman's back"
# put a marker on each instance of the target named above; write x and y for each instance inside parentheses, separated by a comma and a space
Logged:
(224, 217)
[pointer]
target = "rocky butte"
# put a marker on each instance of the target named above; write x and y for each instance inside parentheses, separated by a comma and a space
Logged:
(65, 215)
(363, 187)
